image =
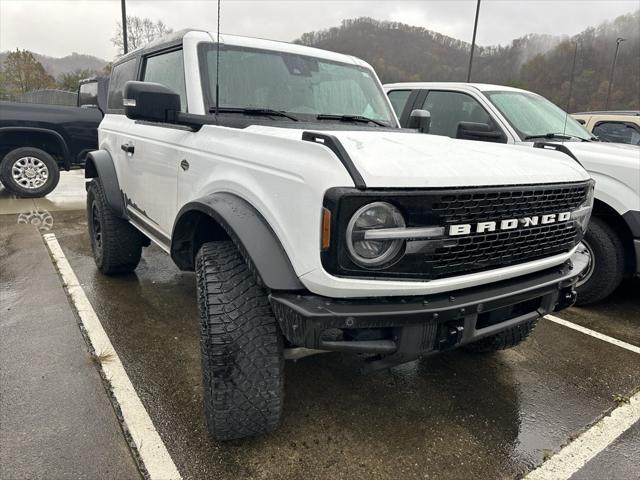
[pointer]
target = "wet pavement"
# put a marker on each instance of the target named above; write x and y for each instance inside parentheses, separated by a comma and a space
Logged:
(56, 420)
(458, 415)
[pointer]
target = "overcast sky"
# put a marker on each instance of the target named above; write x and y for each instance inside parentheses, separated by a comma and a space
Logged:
(59, 27)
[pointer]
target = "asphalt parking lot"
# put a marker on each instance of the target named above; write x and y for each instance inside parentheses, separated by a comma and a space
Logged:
(457, 415)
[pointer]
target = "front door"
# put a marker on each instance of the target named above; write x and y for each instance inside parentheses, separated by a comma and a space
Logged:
(154, 153)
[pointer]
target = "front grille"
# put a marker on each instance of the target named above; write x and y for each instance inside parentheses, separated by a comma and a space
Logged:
(481, 206)
(475, 253)
(479, 252)
(459, 255)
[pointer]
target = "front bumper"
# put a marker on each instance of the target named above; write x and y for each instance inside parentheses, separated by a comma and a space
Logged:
(404, 328)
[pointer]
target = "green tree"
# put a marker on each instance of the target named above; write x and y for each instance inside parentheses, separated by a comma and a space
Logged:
(23, 73)
(70, 81)
(140, 31)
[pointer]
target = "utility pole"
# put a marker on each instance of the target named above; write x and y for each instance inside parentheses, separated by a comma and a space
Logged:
(124, 26)
(473, 41)
(619, 40)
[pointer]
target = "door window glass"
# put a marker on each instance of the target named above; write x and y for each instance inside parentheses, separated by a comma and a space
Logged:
(617, 132)
(448, 109)
(168, 70)
(121, 74)
(398, 100)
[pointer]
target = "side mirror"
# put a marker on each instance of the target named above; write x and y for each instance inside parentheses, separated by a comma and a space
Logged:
(151, 102)
(479, 131)
(581, 121)
(421, 120)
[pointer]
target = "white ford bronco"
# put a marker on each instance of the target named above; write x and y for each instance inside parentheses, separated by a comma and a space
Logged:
(279, 174)
(493, 113)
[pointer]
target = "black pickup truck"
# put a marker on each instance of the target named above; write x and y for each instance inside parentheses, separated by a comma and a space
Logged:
(36, 140)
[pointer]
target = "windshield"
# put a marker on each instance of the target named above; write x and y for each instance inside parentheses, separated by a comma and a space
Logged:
(302, 86)
(532, 115)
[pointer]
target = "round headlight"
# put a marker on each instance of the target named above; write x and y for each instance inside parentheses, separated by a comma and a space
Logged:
(375, 216)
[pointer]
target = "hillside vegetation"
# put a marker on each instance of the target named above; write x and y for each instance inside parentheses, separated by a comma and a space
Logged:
(540, 63)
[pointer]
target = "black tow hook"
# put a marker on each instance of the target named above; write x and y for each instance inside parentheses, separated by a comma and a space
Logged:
(449, 335)
(566, 299)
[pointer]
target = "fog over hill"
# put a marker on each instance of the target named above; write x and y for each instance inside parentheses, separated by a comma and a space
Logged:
(541, 63)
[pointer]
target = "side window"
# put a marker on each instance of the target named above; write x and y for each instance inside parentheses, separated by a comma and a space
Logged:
(88, 94)
(448, 109)
(121, 74)
(618, 132)
(398, 99)
(168, 70)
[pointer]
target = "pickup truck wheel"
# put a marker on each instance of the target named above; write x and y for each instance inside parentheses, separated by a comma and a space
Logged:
(29, 172)
(606, 263)
(241, 346)
(116, 244)
(501, 341)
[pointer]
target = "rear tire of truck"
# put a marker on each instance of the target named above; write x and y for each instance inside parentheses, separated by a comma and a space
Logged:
(29, 172)
(503, 340)
(606, 263)
(116, 244)
(241, 346)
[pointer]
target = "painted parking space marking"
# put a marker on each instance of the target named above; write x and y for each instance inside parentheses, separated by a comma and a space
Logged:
(593, 333)
(153, 452)
(571, 458)
(576, 454)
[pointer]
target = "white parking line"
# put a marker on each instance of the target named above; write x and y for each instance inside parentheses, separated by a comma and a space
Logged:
(152, 451)
(574, 456)
(594, 334)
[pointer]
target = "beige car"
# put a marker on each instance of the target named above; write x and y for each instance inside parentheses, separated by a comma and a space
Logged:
(616, 126)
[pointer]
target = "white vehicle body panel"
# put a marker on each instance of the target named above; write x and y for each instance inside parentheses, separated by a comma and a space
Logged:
(286, 178)
(615, 167)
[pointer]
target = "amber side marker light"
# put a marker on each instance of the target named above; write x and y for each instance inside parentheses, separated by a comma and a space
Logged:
(326, 229)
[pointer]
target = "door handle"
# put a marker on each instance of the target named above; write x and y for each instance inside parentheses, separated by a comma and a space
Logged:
(128, 147)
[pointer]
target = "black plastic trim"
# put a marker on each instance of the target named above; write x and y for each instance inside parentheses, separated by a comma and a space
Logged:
(247, 228)
(560, 147)
(100, 164)
(333, 144)
(632, 219)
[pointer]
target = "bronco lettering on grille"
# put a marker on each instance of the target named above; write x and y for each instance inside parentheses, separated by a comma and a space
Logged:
(508, 224)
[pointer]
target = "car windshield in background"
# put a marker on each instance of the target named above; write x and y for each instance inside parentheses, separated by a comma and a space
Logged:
(533, 116)
(303, 87)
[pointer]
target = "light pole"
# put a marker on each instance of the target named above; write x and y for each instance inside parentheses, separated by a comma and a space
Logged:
(125, 47)
(473, 41)
(619, 40)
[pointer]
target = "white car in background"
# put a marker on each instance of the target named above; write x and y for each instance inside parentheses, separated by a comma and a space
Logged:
(495, 113)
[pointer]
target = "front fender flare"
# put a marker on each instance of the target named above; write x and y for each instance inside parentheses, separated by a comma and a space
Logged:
(249, 230)
(100, 164)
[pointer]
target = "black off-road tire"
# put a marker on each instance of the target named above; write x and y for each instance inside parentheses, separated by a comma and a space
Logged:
(501, 341)
(607, 255)
(116, 244)
(241, 343)
(21, 188)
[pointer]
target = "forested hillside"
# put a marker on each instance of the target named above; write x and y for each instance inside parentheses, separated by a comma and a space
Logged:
(540, 63)
(71, 63)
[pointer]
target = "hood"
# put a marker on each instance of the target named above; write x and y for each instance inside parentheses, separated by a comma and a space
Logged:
(401, 159)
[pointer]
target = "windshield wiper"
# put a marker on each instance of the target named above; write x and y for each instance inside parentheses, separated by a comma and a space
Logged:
(266, 112)
(561, 136)
(350, 118)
